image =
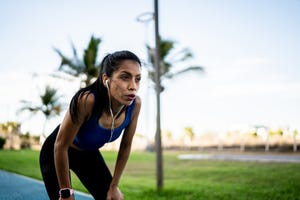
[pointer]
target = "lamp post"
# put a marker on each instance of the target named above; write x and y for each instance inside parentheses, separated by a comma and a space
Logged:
(158, 148)
(146, 17)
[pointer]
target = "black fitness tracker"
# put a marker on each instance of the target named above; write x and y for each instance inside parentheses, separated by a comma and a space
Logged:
(65, 192)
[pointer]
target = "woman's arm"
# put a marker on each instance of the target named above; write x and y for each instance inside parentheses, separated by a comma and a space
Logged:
(66, 134)
(124, 151)
(65, 137)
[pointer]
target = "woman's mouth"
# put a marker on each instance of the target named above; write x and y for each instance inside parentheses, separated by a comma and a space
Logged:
(130, 97)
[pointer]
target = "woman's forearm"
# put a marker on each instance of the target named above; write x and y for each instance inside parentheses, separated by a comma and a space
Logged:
(125, 146)
(122, 159)
(62, 167)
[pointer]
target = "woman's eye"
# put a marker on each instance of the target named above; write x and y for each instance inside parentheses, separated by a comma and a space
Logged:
(138, 79)
(124, 77)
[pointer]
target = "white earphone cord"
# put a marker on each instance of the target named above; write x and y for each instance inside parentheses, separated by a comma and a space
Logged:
(112, 115)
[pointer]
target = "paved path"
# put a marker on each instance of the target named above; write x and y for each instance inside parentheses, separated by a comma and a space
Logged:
(17, 187)
(243, 157)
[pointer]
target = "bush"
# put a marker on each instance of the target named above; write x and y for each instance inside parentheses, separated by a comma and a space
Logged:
(2, 142)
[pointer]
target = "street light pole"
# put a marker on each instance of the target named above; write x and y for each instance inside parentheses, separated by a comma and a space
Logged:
(158, 148)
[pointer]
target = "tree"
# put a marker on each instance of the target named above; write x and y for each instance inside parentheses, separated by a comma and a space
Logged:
(189, 133)
(49, 106)
(295, 133)
(11, 129)
(169, 59)
(87, 67)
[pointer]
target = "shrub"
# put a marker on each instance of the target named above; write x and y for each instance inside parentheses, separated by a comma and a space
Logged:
(2, 142)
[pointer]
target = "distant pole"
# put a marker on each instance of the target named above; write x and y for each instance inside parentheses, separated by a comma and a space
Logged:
(158, 148)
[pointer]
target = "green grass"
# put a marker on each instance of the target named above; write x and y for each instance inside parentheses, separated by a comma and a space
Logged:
(198, 179)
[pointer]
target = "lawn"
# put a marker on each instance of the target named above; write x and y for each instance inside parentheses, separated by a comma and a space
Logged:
(194, 179)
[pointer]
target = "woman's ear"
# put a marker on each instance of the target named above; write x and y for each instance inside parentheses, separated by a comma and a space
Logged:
(105, 79)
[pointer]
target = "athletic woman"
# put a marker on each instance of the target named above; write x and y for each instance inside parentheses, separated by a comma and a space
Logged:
(97, 115)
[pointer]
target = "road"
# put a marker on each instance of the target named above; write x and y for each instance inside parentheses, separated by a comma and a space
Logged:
(17, 187)
(243, 157)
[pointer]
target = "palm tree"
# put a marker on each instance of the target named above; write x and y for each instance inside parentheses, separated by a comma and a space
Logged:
(87, 68)
(169, 58)
(295, 133)
(189, 133)
(49, 105)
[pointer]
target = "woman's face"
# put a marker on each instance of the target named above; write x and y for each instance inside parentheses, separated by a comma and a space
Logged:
(125, 82)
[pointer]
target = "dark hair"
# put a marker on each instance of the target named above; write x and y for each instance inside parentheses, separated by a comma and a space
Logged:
(109, 64)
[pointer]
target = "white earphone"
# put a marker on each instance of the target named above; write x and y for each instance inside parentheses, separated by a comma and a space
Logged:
(106, 83)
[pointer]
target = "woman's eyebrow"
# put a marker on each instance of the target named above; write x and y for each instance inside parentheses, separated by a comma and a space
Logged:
(128, 73)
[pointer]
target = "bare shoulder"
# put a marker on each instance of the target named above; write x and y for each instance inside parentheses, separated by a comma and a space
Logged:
(138, 104)
(86, 103)
(138, 101)
(88, 97)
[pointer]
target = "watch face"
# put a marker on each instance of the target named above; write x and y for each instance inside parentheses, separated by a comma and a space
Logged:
(65, 193)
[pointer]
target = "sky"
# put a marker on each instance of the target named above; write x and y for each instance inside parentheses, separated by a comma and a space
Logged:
(250, 51)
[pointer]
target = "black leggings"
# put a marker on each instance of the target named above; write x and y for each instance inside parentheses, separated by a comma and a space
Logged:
(89, 166)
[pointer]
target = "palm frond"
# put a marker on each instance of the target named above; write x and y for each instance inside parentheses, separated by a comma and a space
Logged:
(87, 66)
(166, 46)
(90, 54)
(188, 69)
(72, 69)
(181, 56)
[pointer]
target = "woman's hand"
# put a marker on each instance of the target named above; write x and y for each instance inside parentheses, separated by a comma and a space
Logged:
(114, 193)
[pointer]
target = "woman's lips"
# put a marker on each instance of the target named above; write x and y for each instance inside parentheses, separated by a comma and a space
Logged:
(130, 97)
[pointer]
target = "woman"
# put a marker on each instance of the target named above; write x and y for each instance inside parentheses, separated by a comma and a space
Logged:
(97, 115)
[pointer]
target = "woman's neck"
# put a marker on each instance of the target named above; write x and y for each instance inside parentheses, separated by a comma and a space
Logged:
(116, 107)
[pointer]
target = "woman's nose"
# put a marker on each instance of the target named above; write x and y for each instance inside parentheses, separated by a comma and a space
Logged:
(133, 85)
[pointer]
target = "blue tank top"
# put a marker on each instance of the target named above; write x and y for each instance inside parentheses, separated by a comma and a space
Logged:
(92, 136)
